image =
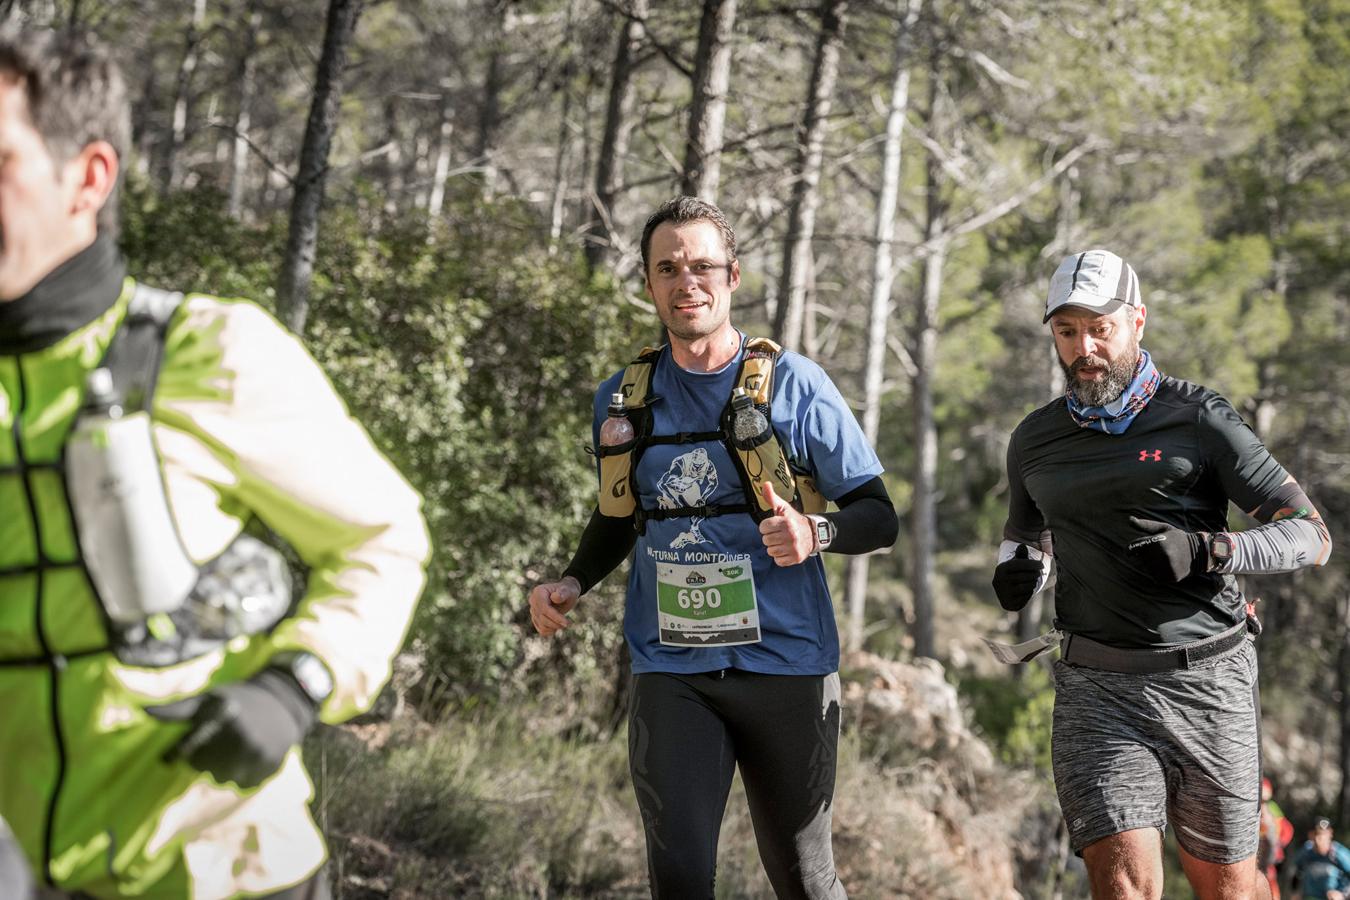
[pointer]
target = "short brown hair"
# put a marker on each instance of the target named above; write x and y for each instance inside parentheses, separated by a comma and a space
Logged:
(75, 95)
(681, 210)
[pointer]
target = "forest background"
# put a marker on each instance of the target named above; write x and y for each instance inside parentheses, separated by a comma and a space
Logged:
(444, 198)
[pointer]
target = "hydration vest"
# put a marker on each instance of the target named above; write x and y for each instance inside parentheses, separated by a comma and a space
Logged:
(766, 463)
(244, 590)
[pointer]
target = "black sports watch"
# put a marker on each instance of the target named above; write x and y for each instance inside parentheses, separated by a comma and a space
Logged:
(1220, 550)
(824, 532)
(309, 672)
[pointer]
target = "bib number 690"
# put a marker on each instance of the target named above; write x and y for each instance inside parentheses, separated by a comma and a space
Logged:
(697, 598)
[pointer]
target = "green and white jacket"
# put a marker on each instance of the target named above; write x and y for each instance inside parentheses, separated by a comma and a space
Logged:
(245, 425)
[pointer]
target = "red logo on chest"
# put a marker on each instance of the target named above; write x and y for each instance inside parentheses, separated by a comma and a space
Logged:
(1146, 455)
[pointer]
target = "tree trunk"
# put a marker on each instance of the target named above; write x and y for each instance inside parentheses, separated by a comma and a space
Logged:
(490, 114)
(171, 173)
(563, 157)
(801, 222)
(708, 107)
(924, 510)
(390, 165)
(243, 116)
(441, 169)
(1066, 223)
(600, 234)
(297, 268)
(882, 280)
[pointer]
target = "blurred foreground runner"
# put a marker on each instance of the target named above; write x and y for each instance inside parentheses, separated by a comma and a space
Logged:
(156, 672)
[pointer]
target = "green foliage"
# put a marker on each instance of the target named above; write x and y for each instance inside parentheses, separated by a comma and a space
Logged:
(471, 355)
(1221, 300)
(1015, 715)
(484, 807)
(185, 241)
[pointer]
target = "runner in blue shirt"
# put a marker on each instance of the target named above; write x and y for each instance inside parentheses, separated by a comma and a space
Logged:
(1322, 866)
(728, 616)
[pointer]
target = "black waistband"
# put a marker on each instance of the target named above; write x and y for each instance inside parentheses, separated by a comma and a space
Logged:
(1080, 651)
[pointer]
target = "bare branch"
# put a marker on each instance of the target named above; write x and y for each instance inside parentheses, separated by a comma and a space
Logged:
(257, 151)
(897, 347)
(992, 69)
(665, 52)
(1000, 210)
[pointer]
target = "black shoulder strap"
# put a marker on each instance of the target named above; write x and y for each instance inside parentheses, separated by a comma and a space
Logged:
(137, 349)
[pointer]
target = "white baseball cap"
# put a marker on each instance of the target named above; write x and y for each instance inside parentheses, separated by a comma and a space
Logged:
(1094, 279)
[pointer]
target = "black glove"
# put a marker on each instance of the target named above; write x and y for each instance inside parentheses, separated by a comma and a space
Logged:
(1168, 554)
(1015, 579)
(241, 732)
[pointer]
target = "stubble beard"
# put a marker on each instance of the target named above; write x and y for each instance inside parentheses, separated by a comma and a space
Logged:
(1119, 374)
(690, 331)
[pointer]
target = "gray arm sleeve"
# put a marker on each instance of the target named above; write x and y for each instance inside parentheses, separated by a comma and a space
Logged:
(1281, 546)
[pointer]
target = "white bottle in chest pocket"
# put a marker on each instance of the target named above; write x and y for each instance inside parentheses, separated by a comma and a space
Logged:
(127, 536)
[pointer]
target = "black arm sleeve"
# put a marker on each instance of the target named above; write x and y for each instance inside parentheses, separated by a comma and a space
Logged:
(1025, 523)
(865, 520)
(604, 544)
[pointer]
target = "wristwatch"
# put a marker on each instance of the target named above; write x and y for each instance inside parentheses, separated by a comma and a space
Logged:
(309, 672)
(824, 532)
(1220, 550)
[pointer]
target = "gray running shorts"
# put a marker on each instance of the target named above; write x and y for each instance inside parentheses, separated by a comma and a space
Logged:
(1140, 751)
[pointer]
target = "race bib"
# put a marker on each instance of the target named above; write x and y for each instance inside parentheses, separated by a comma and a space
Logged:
(706, 605)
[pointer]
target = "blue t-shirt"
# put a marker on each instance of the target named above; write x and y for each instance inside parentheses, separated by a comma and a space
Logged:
(820, 435)
(1319, 874)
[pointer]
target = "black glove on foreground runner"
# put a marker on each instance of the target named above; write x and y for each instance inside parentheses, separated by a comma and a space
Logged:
(242, 732)
(1167, 553)
(1015, 579)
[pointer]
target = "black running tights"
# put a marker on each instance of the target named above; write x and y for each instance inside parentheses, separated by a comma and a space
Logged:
(686, 736)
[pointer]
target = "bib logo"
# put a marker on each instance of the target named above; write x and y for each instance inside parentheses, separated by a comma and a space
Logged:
(619, 489)
(690, 481)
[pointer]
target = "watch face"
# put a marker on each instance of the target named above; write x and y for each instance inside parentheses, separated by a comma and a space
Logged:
(313, 676)
(1221, 547)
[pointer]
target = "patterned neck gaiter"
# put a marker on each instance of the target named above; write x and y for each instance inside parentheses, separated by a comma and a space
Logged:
(1116, 416)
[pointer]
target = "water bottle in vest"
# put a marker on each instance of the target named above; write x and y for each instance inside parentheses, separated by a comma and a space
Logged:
(130, 545)
(749, 427)
(761, 456)
(617, 429)
(617, 438)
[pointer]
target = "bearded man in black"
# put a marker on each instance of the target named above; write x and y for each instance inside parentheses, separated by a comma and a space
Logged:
(1122, 488)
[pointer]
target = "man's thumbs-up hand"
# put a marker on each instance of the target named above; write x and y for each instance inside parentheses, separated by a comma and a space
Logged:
(787, 534)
